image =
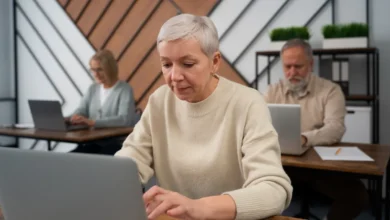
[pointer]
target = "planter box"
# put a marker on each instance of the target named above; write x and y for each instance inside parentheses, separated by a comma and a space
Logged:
(337, 43)
(276, 45)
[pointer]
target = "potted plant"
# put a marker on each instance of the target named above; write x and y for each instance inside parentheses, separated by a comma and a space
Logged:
(279, 36)
(353, 35)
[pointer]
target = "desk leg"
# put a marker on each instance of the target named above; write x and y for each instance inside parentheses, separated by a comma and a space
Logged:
(378, 214)
(48, 145)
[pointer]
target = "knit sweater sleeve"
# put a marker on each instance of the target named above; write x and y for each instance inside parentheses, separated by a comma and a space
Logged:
(138, 146)
(126, 115)
(267, 189)
(82, 109)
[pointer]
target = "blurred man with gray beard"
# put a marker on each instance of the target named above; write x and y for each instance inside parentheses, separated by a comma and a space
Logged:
(322, 123)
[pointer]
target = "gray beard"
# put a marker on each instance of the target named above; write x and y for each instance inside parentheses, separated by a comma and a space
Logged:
(299, 87)
(296, 87)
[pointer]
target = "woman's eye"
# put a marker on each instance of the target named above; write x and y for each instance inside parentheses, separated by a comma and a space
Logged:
(166, 65)
(188, 64)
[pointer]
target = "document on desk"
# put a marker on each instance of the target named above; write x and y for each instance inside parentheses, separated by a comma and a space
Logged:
(342, 153)
(25, 125)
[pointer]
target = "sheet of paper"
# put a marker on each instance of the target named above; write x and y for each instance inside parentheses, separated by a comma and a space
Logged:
(346, 153)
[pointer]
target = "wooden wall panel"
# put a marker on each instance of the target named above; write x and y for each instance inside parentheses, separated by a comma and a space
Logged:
(145, 75)
(91, 14)
(130, 25)
(160, 82)
(196, 7)
(63, 2)
(123, 28)
(75, 7)
(146, 39)
(105, 27)
(227, 71)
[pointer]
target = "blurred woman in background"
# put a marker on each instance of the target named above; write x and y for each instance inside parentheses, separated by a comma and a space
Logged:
(109, 102)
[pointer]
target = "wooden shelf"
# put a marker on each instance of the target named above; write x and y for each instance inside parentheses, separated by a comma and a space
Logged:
(360, 98)
(340, 51)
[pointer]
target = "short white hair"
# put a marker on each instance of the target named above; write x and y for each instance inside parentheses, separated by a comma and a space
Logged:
(186, 26)
(298, 43)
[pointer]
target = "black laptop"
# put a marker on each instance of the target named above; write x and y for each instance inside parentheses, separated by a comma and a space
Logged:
(47, 115)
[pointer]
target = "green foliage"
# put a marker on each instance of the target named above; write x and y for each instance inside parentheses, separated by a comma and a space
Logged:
(284, 34)
(345, 30)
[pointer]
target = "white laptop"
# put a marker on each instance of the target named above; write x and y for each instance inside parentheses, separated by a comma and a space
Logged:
(47, 185)
(286, 119)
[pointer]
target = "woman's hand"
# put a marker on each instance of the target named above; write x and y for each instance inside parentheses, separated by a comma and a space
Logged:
(159, 201)
(79, 119)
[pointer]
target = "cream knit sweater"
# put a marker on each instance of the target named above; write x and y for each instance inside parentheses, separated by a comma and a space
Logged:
(225, 144)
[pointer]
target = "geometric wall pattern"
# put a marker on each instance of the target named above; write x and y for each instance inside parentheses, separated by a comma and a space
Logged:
(56, 38)
(129, 29)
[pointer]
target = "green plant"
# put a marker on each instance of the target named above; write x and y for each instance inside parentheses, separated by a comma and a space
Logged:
(345, 30)
(284, 34)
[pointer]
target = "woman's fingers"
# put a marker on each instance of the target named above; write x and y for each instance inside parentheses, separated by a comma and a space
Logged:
(160, 209)
(151, 206)
(75, 118)
(153, 192)
(178, 212)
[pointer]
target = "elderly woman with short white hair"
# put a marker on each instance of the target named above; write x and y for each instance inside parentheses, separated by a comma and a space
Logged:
(209, 141)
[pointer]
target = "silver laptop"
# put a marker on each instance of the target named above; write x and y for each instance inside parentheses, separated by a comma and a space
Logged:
(286, 119)
(47, 115)
(39, 185)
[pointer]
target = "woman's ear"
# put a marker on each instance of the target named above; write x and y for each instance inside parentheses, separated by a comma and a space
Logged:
(216, 61)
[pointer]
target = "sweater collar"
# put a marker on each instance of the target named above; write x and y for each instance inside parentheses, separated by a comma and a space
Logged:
(209, 104)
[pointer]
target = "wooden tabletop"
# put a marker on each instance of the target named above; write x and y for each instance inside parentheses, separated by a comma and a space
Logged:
(169, 218)
(272, 218)
(312, 160)
(80, 136)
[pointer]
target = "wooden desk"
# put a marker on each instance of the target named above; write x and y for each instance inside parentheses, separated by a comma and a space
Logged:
(78, 137)
(169, 218)
(312, 160)
(375, 170)
(272, 218)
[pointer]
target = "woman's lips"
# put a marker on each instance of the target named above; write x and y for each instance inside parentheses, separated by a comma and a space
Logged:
(181, 89)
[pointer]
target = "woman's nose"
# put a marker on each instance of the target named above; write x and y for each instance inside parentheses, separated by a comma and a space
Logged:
(176, 74)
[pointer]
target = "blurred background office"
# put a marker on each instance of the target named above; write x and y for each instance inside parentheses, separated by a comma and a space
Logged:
(46, 46)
